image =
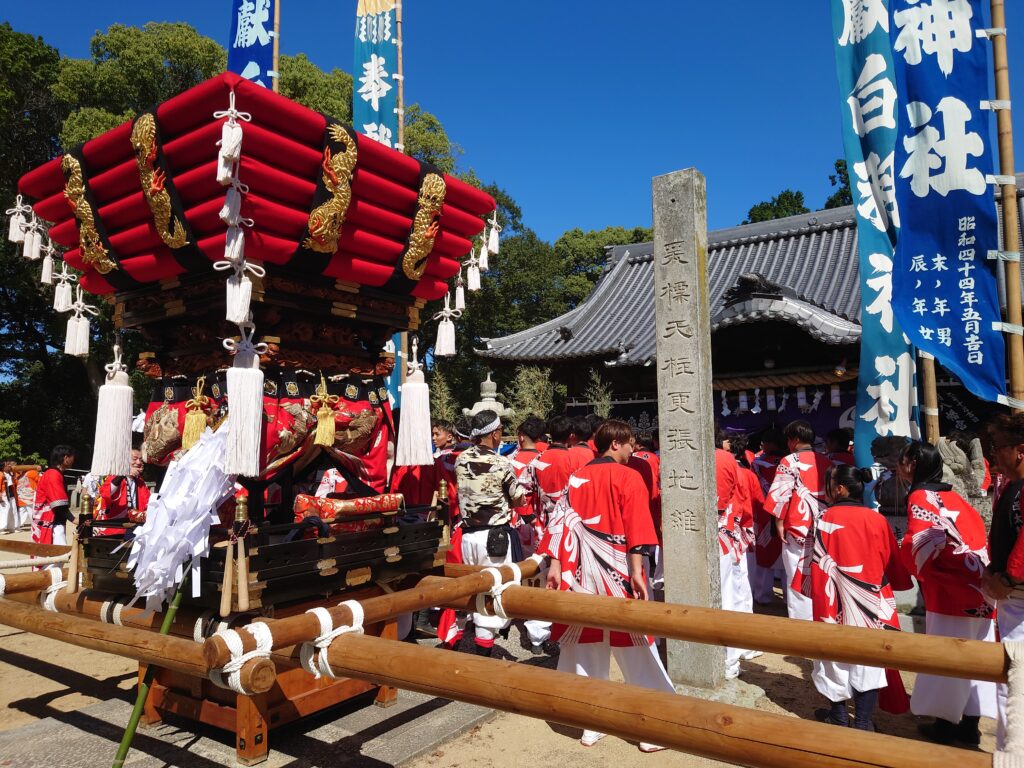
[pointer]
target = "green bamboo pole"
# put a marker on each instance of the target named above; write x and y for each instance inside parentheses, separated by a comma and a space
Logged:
(147, 677)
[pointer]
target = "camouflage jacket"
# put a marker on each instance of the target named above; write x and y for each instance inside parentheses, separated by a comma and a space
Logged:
(487, 485)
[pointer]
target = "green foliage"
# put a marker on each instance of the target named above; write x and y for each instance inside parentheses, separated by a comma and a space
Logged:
(443, 406)
(786, 203)
(326, 92)
(841, 178)
(533, 393)
(599, 394)
(426, 139)
(10, 440)
(582, 255)
(132, 69)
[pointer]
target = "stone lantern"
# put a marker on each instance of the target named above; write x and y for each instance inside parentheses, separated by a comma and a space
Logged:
(489, 401)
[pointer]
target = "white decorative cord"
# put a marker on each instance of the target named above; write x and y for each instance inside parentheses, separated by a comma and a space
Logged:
(314, 655)
(229, 676)
(48, 596)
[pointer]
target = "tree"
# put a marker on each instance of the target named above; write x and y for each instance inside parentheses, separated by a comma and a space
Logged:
(131, 70)
(10, 440)
(443, 406)
(599, 394)
(533, 393)
(326, 92)
(583, 256)
(426, 139)
(841, 178)
(786, 203)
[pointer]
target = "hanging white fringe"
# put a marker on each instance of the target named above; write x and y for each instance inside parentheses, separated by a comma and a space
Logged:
(492, 238)
(414, 446)
(472, 273)
(112, 444)
(230, 141)
(231, 211)
(32, 245)
(239, 288)
(16, 224)
(76, 343)
(46, 278)
(460, 293)
(481, 258)
(445, 344)
(245, 404)
(62, 301)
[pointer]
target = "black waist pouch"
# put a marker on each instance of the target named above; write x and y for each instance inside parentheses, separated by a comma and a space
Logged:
(497, 541)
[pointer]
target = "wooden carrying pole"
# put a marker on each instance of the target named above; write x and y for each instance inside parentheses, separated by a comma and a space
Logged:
(29, 582)
(290, 632)
(276, 79)
(1011, 240)
(32, 549)
(718, 731)
(172, 653)
(931, 654)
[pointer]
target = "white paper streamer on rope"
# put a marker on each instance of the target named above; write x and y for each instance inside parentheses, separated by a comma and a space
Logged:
(492, 239)
(445, 344)
(62, 301)
(460, 293)
(834, 391)
(801, 399)
(770, 400)
(230, 141)
(414, 446)
(17, 221)
(744, 405)
(178, 519)
(112, 444)
(816, 401)
(756, 409)
(245, 403)
(784, 400)
(725, 404)
(76, 343)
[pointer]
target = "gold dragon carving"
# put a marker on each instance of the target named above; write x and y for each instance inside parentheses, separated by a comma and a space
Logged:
(153, 181)
(325, 220)
(424, 226)
(89, 243)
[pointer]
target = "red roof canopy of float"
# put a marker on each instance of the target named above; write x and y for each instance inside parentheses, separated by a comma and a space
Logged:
(282, 154)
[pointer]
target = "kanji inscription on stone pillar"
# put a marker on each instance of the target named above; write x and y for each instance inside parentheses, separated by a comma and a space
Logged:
(685, 414)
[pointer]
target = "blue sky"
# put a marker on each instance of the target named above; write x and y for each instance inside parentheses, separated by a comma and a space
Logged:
(573, 106)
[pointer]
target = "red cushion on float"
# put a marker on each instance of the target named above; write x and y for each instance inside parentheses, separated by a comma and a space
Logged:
(54, 209)
(451, 245)
(152, 267)
(65, 234)
(115, 183)
(347, 266)
(125, 213)
(387, 162)
(183, 112)
(430, 289)
(379, 221)
(109, 149)
(134, 241)
(469, 199)
(93, 282)
(459, 222)
(386, 193)
(46, 180)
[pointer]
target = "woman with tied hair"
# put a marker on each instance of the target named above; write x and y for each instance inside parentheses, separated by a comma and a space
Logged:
(946, 549)
(854, 569)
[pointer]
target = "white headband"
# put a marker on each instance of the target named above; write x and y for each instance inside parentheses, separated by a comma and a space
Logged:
(496, 424)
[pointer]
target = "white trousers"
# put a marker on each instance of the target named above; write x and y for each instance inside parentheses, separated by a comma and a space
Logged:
(9, 518)
(762, 580)
(640, 665)
(797, 605)
(735, 597)
(950, 697)
(1010, 620)
(60, 536)
(838, 682)
(474, 552)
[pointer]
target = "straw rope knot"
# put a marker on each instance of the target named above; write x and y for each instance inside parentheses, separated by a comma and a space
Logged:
(313, 655)
(229, 676)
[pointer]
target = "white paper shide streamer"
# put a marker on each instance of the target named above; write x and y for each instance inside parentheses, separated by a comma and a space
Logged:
(414, 446)
(245, 404)
(112, 445)
(178, 519)
(445, 344)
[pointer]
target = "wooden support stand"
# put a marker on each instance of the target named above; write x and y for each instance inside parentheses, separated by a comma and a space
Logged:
(295, 694)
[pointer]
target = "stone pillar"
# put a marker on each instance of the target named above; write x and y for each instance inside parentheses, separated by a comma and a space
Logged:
(686, 415)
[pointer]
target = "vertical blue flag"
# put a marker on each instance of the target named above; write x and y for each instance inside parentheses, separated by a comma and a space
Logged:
(375, 102)
(886, 387)
(944, 286)
(251, 46)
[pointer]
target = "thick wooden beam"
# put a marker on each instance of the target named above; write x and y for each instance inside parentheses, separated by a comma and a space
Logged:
(172, 653)
(33, 581)
(718, 731)
(931, 654)
(304, 627)
(32, 549)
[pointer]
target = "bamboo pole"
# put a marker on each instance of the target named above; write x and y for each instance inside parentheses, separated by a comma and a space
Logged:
(930, 407)
(930, 654)
(718, 731)
(402, 353)
(32, 549)
(1011, 241)
(291, 632)
(276, 80)
(29, 582)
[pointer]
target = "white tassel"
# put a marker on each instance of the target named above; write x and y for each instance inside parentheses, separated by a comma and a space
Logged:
(414, 446)
(47, 277)
(445, 345)
(37, 245)
(16, 228)
(230, 151)
(481, 259)
(230, 212)
(28, 244)
(76, 343)
(112, 445)
(62, 297)
(473, 277)
(460, 295)
(234, 245)
(492, 239)
(245, 405)
(239, 294)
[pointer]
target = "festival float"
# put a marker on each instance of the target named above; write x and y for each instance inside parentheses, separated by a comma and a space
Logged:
(265, 253)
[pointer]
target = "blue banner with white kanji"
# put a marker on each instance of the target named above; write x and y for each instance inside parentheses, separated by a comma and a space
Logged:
(944, 286)
(251, 45)
(886, 386)
(375, 103)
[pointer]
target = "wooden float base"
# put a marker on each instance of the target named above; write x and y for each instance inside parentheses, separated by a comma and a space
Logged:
(296, 694)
